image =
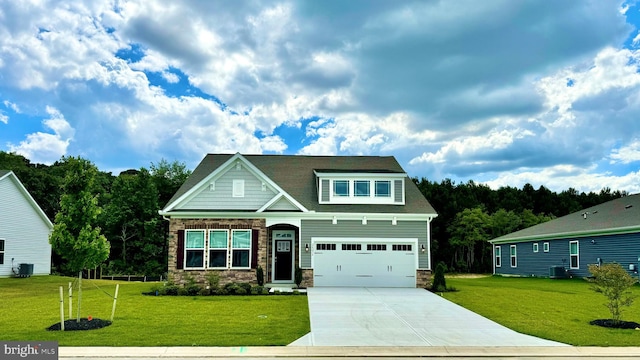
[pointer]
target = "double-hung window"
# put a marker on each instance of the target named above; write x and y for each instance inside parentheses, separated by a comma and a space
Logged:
(383, 188)
(1, 251)
(535, 247)
(240, 248)
(574, 254)
(218, 247)
(498, 255)
(361, 188)
(194, 249)
(514, 256)
(545, 246)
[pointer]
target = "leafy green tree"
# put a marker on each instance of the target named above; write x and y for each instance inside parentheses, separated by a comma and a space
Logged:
(614, 282)
(75, 236)
(132, 223)
(470, 229)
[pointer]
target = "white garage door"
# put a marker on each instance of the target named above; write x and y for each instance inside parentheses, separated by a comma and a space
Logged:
(364, 262)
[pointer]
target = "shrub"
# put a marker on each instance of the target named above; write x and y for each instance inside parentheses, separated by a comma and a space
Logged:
(257, 290)
(204, 292)
(235, 288)
(260, 276)
(439, 282)
(298, 276)
(170, 289)
(213, 280)
(614, 282)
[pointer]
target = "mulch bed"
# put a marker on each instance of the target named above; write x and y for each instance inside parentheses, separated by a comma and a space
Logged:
(616, 325)
(83, 324)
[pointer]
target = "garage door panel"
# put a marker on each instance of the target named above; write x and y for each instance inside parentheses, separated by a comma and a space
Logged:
(350, 262)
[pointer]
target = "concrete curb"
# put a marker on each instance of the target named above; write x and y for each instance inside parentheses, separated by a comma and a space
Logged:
(347, 352)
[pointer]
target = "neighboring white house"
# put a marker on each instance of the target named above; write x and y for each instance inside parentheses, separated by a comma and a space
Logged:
(24, 229)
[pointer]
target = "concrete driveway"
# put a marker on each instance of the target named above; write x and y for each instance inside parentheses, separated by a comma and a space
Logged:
(400, 317)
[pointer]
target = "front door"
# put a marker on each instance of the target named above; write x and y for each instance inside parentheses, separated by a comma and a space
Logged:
(283, 246)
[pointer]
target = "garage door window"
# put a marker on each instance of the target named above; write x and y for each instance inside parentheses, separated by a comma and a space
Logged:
(401, 247)
(325, 246)
(376, 247)
(351, 247)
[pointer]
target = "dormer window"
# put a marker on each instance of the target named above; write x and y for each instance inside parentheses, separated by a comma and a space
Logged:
(341, 188)
(383, 188)
(361, 188)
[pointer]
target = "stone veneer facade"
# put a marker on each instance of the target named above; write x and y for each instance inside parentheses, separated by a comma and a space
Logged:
(423, 279)
(180, 276)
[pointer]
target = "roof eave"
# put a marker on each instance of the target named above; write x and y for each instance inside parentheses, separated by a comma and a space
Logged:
(569, 234)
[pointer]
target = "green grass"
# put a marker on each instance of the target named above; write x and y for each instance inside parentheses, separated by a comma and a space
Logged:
(29, 306)
(558, 310)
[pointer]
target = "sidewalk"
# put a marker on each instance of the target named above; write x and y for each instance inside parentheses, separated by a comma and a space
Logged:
(556, 352)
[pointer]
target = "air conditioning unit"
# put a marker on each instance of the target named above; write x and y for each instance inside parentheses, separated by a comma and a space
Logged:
(25, 270)
(557, 272)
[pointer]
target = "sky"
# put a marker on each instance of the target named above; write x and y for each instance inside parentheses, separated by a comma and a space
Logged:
(501, 92)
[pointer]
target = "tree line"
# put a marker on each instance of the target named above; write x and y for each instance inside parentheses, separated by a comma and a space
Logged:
(469, 214)
(126, 206)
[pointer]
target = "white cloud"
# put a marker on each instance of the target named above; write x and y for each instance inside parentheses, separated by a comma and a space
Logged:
(4, 118)
(626, 154)
(43, 147)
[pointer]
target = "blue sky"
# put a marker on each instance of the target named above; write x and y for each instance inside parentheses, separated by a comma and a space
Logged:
(501, 92)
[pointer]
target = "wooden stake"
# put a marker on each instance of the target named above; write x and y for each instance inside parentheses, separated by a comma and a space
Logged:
(70, 300)
(79, 295)
(61, 309)
(115, 298)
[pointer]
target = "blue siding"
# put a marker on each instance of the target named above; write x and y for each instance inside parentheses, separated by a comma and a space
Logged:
(623, 249)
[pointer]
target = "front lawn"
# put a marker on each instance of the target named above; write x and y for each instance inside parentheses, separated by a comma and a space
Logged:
(31, 305)
(558, 310)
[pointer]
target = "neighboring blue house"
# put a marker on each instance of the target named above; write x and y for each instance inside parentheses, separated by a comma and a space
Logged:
(605, 233)
(344, 220)
(24, 230)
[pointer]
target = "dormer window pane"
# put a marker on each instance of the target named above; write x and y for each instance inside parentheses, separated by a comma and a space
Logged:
(340, 188)
(361, 188)
(383, 188)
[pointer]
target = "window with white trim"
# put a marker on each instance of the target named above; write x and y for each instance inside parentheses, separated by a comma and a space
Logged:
(574, 255)
(383, 188)
(240, 248)
(514, 256)
(535, 247)
(218, 248)
(498, 256)
(545, 246)
(362, 188)
(194, 249)
(1, 251)
(341, 188)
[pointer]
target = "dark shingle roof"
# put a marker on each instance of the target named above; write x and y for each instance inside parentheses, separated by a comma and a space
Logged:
(615, 216)
(295, 175)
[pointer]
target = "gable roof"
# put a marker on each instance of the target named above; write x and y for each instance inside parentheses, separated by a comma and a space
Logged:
(295, 175)
(617, 216)
(9, 175)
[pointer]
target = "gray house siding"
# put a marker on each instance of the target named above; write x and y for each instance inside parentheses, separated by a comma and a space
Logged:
(623, 249)
(221, 196)
(25, 233)
(373, 229)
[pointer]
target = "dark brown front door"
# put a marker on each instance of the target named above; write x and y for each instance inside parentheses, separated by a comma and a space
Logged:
(284, 258)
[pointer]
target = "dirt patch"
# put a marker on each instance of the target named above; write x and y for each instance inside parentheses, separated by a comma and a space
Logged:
(616, 325)
(467, 276)
(83, 324)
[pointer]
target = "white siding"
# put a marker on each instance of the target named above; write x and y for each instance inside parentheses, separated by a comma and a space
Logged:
(25, 233)
(220, 195)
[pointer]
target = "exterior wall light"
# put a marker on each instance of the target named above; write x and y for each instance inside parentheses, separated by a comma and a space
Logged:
(306, 247)
(422, 249)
